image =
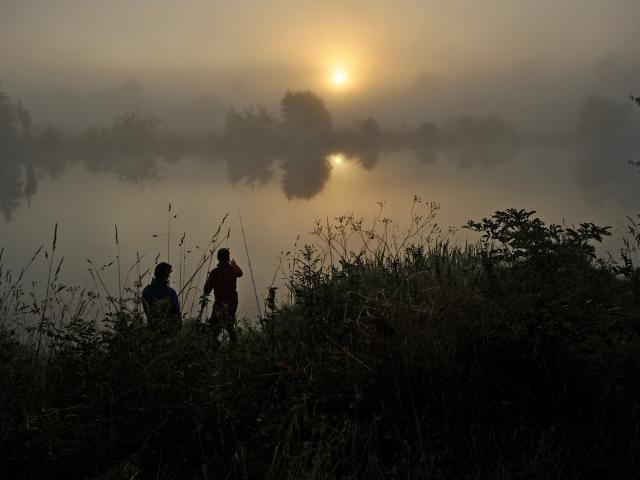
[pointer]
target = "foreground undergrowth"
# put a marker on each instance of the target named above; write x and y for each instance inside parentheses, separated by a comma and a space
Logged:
(396, 355)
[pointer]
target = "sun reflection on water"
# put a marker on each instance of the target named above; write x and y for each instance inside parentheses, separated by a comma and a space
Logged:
(337, 159)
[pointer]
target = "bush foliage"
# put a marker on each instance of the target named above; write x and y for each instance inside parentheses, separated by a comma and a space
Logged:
(397, 355)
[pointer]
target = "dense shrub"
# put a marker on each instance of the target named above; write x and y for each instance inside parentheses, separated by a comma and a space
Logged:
(397, 355)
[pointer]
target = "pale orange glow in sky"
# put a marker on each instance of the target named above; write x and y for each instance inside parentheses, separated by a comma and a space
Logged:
(407, 59)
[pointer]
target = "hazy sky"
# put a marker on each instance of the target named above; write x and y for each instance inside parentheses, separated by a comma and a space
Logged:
(253, 50)
(386, 41)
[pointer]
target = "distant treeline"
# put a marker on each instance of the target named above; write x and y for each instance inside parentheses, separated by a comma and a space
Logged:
(253, 141)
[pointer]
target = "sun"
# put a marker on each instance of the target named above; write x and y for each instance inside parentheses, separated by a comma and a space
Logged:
(339, 78)
(337, 159)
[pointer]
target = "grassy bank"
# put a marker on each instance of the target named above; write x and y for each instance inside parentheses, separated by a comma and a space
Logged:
(397, 355)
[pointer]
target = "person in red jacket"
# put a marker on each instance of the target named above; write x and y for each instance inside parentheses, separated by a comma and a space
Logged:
(222, 280)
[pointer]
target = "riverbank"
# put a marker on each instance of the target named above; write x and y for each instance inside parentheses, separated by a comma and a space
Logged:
(516, 357)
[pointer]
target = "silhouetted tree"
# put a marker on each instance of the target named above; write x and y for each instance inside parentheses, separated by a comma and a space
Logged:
(50, 151)
(361, 142)
(134, 130)
(249, 144)
(307, 140)
(25, 121)
(306, 118)
(10, 170)
(130, 132)
(368, 130)
(425, 141)
(11, 186)
(8, 121)
(127, 148)
(368, 139)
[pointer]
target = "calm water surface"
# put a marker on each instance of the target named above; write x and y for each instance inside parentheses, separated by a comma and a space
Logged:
(86, 206)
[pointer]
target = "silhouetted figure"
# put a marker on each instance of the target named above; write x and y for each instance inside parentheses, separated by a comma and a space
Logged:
(222, 280)
(160, 302)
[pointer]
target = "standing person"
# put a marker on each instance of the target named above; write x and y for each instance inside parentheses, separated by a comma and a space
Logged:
(160, 302)
(222, 280)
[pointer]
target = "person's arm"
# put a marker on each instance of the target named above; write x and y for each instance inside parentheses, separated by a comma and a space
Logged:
(237, 269)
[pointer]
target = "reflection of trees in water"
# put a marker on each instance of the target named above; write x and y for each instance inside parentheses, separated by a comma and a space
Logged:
(487, 141)
(11, 174)
(8, 123)
(305, 175)
(425, 141)
(248, 145)
(134, 169)
(306, 137)
(128, 148)
(361, 142)
(465, 140)
(49, 153)
(31, 181)
(253, 141)
(11, 186)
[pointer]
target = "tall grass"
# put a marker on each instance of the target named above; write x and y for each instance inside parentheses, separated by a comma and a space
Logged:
(395, 353)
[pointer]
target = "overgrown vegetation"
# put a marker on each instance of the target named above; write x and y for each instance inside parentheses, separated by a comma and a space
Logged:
(398, 354)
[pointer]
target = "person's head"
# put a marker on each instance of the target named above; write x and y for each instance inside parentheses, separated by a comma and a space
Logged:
(162, 271)
(223, 255)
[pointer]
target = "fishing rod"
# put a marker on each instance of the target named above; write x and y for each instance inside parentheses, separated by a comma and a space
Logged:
(208, 256)
(244, 238)
(204, 298)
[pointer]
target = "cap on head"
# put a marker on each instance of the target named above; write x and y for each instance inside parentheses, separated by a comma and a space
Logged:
(223, 255)
(162, 271)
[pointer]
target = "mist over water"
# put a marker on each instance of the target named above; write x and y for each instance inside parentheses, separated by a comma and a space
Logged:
(87, 203)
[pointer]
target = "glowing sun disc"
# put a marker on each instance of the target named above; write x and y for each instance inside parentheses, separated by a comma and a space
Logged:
(339, 77)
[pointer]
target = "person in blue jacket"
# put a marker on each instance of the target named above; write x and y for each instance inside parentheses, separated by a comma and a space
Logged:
(160, 302)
